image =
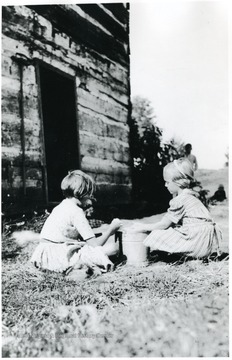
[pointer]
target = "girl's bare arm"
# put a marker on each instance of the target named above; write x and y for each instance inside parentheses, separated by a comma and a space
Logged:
(99, 241)
(163, 224)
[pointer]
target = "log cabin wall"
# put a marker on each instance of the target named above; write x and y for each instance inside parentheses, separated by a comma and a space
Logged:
(84, 51)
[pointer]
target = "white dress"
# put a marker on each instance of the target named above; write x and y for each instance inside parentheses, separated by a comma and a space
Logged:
(52, 251)
(194, 232)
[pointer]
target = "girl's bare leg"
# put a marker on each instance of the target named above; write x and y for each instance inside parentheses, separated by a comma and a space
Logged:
(111, 247)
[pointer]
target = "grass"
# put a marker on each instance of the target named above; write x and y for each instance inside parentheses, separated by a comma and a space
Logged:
(211, 179)
(158, 310)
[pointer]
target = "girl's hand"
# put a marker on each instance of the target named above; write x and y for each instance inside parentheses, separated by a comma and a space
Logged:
(72, 250)
(115, 225)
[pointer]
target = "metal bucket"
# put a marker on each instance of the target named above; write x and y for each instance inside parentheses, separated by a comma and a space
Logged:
(132, 247)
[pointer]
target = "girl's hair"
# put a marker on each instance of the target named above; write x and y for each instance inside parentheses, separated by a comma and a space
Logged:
(77, 184)
(181, 172)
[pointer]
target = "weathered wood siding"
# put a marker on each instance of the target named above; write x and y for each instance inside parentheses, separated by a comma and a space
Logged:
(88, 42)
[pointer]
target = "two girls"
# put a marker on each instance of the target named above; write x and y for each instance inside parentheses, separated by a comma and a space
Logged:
(67, 241)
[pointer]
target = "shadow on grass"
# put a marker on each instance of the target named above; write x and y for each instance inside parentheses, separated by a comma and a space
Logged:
(6, 254)
(178, 259)
(10, 250)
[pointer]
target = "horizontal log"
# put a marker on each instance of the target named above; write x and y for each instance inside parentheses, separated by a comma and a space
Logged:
(15, 23)
(11, 84)
(13, 42)
(71, 21)
(105, 89)
(13, 155)
(17, 14)
(10, 102)
(17, 162)
(100, 125)
(10, 106)
(99, 70)
(112, 111)
(45, 56)
(11, 152)
(11, 133)
(107, 96)
(107, 19)
(98, 66)
(103, 147)
(100, 166)
(120, 10)
(10, 119)
(114, 178)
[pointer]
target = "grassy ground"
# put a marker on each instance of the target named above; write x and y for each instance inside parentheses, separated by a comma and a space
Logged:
(211, 179)
(158, 310)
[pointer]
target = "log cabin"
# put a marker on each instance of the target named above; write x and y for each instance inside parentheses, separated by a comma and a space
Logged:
(65, 102)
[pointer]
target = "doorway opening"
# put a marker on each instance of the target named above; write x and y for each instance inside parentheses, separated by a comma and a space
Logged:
(58, 100)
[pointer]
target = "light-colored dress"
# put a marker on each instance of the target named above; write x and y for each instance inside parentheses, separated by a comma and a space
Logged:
(52, 251)
(194, 232)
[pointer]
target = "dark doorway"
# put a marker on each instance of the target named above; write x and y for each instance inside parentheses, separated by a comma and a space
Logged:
(60, 128)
